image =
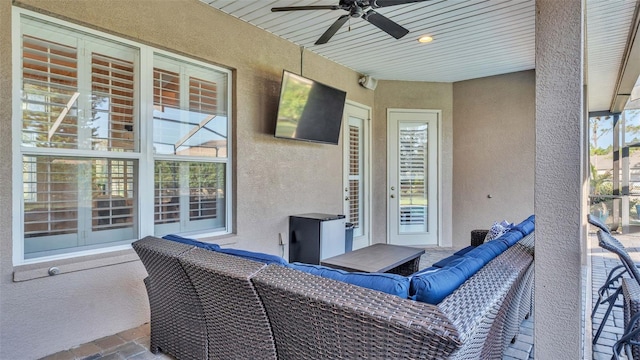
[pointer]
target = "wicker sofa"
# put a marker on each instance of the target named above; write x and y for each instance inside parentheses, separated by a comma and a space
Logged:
(210, 305)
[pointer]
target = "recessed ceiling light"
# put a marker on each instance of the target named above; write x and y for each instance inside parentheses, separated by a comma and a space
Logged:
(425, 39)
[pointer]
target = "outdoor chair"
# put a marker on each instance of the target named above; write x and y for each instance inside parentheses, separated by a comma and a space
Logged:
(630, 339)
(178, 326)
(608, 242)
(607, 291)
(598, 223)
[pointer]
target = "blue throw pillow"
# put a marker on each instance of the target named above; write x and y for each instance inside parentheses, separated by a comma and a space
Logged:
(388, 283)
(433, 285)
(497, 230)
(444, 262)
(255, 256)
(192, 242)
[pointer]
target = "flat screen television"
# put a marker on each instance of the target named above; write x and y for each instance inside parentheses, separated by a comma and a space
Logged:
(309, 110)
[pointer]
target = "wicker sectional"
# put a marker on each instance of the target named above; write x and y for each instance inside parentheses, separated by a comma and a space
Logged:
(209, 305)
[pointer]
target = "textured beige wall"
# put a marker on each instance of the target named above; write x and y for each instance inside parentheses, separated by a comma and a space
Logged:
(274, 177)
(494, 151)
(410, 95)
(560, 127)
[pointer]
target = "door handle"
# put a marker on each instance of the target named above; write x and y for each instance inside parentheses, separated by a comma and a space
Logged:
(392, 196)
(346, 198)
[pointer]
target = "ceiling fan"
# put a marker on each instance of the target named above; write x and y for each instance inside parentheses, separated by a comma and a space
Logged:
(356, 9)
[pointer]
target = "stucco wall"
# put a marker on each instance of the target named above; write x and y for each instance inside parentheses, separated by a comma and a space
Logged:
(274, 178)
(410, 95)
(494, 151)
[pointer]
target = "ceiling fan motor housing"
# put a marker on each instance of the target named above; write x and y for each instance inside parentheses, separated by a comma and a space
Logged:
(357, 9)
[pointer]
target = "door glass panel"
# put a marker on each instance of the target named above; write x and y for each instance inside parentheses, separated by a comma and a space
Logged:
(413, 192)
(631, 120)
(601, 166)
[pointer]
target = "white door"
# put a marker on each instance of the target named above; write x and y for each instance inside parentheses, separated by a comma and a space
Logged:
(356, 171)
(412, 168)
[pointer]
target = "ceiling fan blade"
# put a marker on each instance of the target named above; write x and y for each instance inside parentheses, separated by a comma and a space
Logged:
(295, 8)
(332, 30)
(384, 3)
(385, 24)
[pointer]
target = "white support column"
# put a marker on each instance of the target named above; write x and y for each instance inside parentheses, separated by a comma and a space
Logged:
(558, 182)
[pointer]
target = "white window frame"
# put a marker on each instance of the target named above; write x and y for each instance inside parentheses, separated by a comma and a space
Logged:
(144, 155)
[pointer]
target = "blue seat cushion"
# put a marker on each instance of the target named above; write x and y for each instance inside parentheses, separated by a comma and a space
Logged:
(444, 262)
(192, 242)
(255, 256)
(464, 251)
(388, 283)
(432, 285)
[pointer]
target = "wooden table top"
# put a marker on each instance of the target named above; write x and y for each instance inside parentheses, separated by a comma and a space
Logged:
(374, 258)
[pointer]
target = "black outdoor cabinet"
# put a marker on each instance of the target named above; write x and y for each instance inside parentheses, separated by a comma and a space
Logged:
(314, 237)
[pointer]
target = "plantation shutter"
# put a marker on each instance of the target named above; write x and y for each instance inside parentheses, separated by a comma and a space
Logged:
(49, 119)
(70, 196)
(112, 102)
(413, 169)
(187, 120)
(355, 174)
(112, 108)
(50, 94)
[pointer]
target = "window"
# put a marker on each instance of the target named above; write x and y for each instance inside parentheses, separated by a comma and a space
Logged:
(90, 144)
(190, 146)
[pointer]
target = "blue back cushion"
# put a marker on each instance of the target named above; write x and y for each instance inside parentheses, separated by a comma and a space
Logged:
(255, 256)
(526, 227)
(192, 242)
(464, 251)
(468, 265)
(444, 262)
(388, 283)
(512, 237)
(487, 251)
(432, 285)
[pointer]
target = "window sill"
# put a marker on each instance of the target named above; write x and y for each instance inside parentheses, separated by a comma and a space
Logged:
(65, 266)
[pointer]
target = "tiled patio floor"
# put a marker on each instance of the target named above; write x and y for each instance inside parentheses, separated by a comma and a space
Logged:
(134, 343)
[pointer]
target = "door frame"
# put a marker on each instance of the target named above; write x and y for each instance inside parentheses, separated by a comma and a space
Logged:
(366, 165)
(438, 112)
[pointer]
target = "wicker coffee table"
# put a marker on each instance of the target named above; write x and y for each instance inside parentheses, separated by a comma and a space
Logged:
(394, 259)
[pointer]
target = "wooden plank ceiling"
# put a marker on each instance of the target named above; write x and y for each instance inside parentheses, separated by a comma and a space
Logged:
(472, 38)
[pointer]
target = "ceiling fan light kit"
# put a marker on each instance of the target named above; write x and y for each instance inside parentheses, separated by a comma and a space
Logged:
(357, 9)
